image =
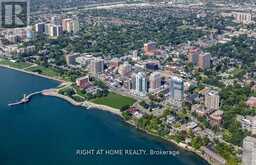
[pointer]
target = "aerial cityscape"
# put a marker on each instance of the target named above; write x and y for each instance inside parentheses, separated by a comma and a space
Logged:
(179, 76)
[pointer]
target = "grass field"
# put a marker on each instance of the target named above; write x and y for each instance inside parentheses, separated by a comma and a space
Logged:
(19, 65)
(45, 71)
(114, 100)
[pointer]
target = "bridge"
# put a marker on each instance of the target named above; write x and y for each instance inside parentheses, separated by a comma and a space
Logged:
(25, 98)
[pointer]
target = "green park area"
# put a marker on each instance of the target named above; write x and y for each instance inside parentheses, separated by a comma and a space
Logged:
(115, 100)
(45, 71)
(14, 64)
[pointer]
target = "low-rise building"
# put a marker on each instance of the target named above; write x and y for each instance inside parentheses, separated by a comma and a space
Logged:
(248, 123)
(13, 38)
(26, 50)
(14, 50)
(190, 126)
(149, 48)
(200, 110)
(251, 102)
(170, 120)
(135, 112)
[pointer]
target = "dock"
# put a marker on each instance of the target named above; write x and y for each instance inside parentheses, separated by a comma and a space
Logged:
(25, 99)
(22, 101)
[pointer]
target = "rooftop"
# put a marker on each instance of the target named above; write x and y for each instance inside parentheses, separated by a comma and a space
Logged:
(250, 139)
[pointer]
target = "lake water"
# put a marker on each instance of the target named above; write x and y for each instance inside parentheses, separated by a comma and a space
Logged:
(50, 131)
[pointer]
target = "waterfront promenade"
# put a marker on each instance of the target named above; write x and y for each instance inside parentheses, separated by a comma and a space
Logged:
(55, 126)
(87, 104)
(32, 73)
(25, 99)
(54, 92)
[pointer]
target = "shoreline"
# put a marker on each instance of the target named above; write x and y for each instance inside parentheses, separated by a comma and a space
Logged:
(88, 105)
(178, 145)
(33, 73)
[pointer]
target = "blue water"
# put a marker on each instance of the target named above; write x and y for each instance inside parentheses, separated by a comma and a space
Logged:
(49, 131)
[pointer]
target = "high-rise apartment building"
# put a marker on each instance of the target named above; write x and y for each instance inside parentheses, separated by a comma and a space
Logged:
(154, 80)
(97, 66)
(176, 88)
(204, 61)
(70, 25)
(125, 69)
(40, 27)
(212, 100)
(71, 58)
(55, 30)
(193, 55)
(141, 84)
(242, 17)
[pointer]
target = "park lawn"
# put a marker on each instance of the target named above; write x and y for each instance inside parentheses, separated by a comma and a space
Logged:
(19, 65)
(114, 100)
(45, 71)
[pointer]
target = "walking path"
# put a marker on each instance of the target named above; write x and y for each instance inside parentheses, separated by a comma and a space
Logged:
(32, 73)
(31, 66)
(54, 92)
(89, 105)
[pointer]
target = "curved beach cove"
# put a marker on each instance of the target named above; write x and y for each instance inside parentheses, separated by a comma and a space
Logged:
(51, 131)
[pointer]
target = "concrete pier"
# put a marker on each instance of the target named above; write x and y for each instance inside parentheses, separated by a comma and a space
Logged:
(25, 99)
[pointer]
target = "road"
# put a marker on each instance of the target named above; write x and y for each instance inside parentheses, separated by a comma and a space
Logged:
(73, 10)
